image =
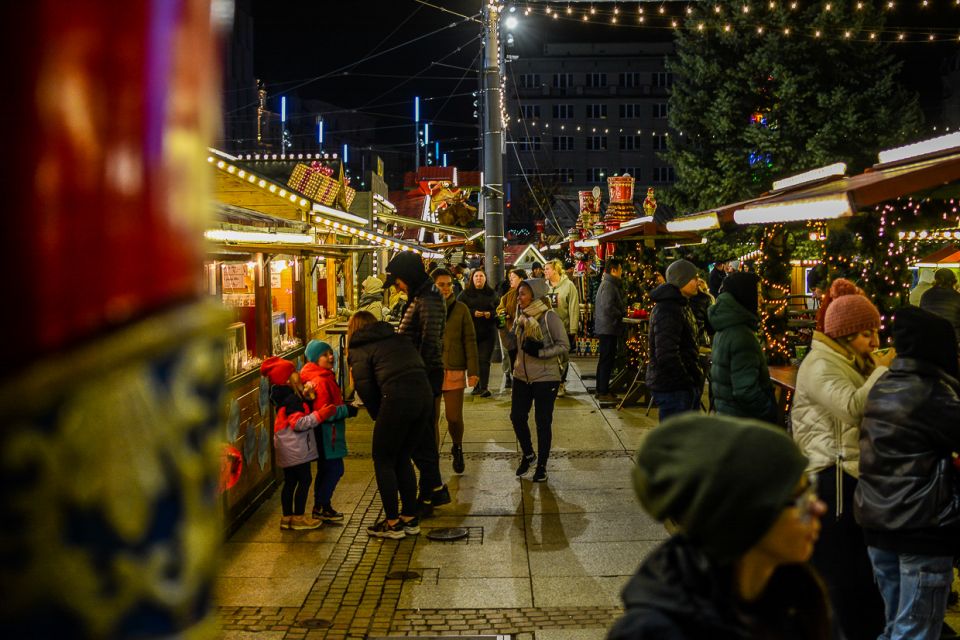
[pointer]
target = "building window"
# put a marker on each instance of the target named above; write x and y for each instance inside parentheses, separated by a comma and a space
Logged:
(529, 80)
(629, 143)
(663, 174)
(630, 79)
(596, 143)
(596, 111)
(565, 175)
(660, 110)
(629, 111)
(596, 174)
(633, 171)
(529, 144)
(563, 143)
(563, 111)
(530, 111)
(562, 80)
(659, 142)
(663, 79)
(596, 80)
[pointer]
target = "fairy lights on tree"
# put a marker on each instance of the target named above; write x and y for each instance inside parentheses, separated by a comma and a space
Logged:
(773, 268)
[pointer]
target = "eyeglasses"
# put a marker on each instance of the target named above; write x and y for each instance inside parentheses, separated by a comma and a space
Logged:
(806, 499)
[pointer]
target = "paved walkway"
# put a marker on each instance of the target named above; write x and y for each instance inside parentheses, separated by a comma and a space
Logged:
(542, 561)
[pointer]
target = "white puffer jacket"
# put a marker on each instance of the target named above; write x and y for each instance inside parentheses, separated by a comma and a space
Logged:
(828, 406)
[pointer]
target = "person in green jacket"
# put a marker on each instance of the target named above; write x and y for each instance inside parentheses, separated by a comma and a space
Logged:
(739, 377)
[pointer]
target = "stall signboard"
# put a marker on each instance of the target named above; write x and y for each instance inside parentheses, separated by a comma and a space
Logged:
(233, 276)
(275, 280)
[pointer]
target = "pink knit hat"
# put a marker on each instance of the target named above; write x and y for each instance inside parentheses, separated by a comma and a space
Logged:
(849, 311)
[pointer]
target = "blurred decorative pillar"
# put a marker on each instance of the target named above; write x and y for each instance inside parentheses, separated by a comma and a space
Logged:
(114, 367)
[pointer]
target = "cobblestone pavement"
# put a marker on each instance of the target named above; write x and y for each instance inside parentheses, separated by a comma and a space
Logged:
(540, 561)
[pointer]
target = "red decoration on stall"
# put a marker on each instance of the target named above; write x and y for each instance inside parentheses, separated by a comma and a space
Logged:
(231, 466)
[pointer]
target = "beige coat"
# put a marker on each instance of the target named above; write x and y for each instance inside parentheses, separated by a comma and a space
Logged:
(567, 303)
(828, 406)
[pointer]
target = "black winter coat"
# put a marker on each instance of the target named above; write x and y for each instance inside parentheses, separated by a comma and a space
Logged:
(714, 280)
(481, 300)
(945, 303)
(609, 307)
(908, 498)
(678, 594)
(674, 356)
(422, 321)
(383, 364)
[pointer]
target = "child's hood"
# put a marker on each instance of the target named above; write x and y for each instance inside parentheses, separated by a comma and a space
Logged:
(313, 373)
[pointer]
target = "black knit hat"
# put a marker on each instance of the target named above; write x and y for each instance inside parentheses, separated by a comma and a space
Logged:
(407, 266)
(925, 336)
(742, 285)
(724, 481)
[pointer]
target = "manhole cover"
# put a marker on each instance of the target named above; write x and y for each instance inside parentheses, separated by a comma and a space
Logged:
(448, 533)
(403, 575)
(315, 623)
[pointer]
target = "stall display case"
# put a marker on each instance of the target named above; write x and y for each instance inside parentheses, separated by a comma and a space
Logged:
(236, 357)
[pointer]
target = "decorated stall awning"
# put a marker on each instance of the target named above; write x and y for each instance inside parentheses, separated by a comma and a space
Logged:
(644, 228)
(948, 256)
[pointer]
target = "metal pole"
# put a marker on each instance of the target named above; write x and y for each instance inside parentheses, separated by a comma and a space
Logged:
(492, 148)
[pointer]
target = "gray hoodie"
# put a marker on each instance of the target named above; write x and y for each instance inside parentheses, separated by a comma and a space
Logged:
(556, 345)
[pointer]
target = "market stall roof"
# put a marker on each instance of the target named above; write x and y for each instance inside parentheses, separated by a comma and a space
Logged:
(948, 256)
(517, 254)
(644, 228)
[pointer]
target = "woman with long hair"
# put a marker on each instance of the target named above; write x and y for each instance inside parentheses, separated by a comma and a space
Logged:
(543, 345)
(460, 367)
(832, 387)
(506, 314)
(391, 379)
(482, 300)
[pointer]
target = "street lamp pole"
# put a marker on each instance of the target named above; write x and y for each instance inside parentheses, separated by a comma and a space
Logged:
(492, 188)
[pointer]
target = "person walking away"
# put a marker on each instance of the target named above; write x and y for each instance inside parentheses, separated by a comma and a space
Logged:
(461, 368)
(293, 440)
(924, 282)
(717, 274)
(391, 379)
(943, 299)
(506, 314)
(905, 501)
(739, 377)
(699, 303)
(609, 310)
(371, 298)
(737, 568)
(318, 376)
(422, 322)
(481, 300)
(566, 302)
(542, 339)
(674, 375)
(833, 382)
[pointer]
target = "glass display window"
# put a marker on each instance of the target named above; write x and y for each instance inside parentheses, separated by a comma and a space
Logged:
(284, 271)
(236, 288)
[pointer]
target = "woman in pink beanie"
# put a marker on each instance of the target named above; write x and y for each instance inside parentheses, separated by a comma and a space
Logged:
(832, 386)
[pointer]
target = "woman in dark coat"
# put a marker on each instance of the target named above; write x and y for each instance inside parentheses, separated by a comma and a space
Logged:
(391, 379)
(482, 301)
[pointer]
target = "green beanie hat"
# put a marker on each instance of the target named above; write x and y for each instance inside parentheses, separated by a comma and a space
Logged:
(724, 481)
(315, 349)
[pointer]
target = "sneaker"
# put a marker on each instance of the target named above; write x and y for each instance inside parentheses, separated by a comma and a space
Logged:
(411, 527)
(285, 522)
(540, 475)
(458, 465)
(440, 496)
(424, 508)
(384, 530)
(328, 514)
(561, 390)
(485, 393)
(477, 390)
(525, 463)
(304, 523)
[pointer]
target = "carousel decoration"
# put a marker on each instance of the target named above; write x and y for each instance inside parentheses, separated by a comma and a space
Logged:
(650, 203)
(621, 208)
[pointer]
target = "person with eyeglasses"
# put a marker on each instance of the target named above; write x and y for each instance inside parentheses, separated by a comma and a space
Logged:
(746, 516)
(833, 382)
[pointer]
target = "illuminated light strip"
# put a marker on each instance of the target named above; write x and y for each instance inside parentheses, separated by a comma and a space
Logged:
(799, 210)
(336, 213)
(943, 143)
(593, 242)
(938, 265)
(475, 236)
(929, 235)
(367, 235)
(636, 221)
(829, 171)
(229, 235)
(701, 222)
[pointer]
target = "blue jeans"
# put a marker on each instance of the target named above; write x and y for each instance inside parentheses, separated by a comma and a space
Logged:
(673, 402)
(915, 590)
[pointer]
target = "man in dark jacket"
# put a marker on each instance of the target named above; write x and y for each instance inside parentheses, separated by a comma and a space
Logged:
(673, 372)
(422, 321)
(609, 309)
(908, 501)
(943, 299)
(739, 378)
(717, 274)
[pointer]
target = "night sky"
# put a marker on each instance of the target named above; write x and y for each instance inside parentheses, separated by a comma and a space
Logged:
(297, 41)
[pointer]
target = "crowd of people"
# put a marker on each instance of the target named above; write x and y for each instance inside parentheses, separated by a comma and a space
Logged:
(847, 526)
